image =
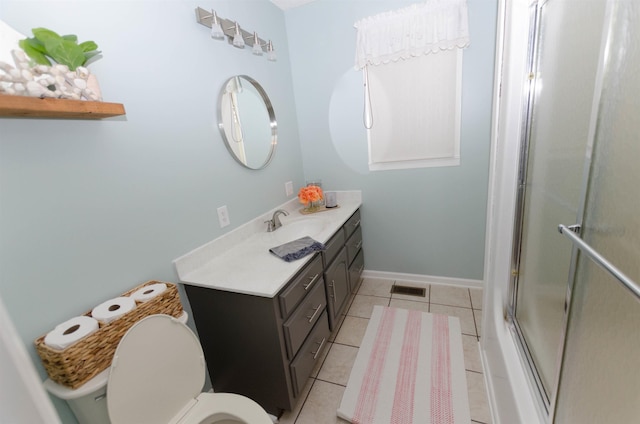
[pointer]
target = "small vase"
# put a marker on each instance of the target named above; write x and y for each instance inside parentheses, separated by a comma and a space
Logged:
(312, 207)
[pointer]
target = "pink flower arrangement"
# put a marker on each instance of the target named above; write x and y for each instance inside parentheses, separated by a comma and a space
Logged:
(310, 194)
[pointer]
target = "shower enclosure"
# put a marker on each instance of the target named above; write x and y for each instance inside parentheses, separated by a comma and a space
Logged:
(574, 306)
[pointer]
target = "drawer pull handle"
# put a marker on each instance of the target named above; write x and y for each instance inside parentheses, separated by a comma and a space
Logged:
(100, 397)
(360, 270)
(315, 354)
(356, 224)
(333, 288)
(310, 283)
(314, 313)
(359, 245)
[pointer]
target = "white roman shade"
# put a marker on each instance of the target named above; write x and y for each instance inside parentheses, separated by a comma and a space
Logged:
(412, 64)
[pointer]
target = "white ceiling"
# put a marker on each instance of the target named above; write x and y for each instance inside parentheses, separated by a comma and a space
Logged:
(289, 4)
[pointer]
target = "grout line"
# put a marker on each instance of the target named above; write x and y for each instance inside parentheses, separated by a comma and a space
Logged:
(453, 306)
(341, 344)
(331, 382)
(304, 401)
(475, 324)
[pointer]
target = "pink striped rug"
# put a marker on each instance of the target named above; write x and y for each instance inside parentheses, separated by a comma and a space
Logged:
(409, 369)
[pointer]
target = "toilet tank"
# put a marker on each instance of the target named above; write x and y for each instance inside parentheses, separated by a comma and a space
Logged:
(88, 402)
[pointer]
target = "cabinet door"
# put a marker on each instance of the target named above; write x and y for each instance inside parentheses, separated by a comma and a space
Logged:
(355, 271)
(337, 281)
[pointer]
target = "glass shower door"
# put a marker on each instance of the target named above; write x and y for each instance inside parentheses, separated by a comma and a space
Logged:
(552, 177)
(600, 379)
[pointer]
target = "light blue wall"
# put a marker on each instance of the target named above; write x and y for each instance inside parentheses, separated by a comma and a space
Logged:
(90, 209)
(423, 221)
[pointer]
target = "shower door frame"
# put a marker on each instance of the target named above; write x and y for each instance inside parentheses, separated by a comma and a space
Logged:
(546, 400)
(526, 125)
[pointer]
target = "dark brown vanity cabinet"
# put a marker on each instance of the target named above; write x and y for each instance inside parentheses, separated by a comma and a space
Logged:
(263, 347)
(342, 272)
(266, 347)
(338, 292)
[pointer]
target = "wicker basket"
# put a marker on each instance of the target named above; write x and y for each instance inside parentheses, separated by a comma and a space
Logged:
(83, 360)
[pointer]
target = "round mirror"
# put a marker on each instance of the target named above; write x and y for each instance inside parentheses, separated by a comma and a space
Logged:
(247, 122)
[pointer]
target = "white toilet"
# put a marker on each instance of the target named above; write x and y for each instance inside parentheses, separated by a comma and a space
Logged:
(157, 375)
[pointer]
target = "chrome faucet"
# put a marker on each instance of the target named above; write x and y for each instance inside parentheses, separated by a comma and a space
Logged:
(274, 223)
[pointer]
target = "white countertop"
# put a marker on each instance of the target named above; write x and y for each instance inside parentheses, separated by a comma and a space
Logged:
(240, 261)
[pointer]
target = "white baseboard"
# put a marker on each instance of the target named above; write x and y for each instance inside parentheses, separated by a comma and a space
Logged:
(420, 279)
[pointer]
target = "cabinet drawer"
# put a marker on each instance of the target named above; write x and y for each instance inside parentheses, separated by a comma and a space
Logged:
(355, 271)
(354, 244)
(353, 223)
(333, 246)
(309, 354)
(308, 278)
(303, 319)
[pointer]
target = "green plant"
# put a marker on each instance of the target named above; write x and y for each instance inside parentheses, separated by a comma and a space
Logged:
(65, 50)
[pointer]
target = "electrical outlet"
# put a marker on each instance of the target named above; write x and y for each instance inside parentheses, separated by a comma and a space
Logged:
(223, 216)
(288, 187)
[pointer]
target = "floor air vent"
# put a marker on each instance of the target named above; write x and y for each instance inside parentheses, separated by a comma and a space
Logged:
(411, 291)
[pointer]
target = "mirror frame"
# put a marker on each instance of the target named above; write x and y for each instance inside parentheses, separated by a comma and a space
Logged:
(272, 121)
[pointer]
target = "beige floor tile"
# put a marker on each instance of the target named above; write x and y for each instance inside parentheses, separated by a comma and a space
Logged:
(476, 298)
(478, 401)
(362, 305)
(320, 398)
(289, 417)
(339, 323)
(352, 331)
(322, 404)
(472, 360)
(337, 367)
(467, 324)
(358, 284)
(376, 287)
(323, 356)
(452, 296)
(409, 304)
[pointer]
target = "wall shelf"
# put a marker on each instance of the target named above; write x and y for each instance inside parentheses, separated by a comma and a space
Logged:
(34, 107)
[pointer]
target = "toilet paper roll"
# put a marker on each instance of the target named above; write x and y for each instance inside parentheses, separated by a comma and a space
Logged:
(148, 292)
(70, 332)
(113, 309)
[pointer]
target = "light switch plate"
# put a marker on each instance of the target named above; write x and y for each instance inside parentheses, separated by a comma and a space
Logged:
(288, 187)
(223, 216)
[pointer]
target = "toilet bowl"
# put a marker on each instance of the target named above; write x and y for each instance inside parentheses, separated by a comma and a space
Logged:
(157, 375)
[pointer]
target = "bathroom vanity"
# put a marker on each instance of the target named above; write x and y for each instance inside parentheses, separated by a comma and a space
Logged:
(263, 322)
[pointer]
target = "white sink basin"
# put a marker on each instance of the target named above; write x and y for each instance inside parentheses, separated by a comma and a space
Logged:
(295, 228)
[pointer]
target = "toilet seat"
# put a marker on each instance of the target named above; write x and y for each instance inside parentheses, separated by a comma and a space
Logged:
(226, 406)
(157, 375)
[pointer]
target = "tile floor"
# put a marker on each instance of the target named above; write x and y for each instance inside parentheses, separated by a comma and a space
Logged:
(322, 394)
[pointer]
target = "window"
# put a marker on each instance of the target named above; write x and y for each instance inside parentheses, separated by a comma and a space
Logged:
(412, 65)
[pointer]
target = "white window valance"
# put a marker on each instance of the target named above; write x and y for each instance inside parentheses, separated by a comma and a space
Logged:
(412, 31)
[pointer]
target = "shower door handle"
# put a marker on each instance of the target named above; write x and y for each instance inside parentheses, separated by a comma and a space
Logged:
(576, 228)
(601, 261)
